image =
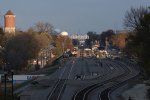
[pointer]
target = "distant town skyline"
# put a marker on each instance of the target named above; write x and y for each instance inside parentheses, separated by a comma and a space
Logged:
(73, 16)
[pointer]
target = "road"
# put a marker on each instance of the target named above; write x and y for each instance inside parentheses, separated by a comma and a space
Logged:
(83, 79)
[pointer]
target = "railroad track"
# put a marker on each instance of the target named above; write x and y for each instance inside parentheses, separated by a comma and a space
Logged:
(60, 85)
(57, 90)
(105, 95)
(83, 94)
(127, 80)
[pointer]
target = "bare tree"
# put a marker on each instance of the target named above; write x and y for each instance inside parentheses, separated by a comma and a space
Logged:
(43, 40)
(133, 18)
(42, 27)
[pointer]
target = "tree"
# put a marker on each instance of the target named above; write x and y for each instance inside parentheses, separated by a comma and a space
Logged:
(42, 27)
(1, 56)
(4, 38)
(68, 44)
(92, 38)
(62, 44)
(1, 30)
(119, 40)
(44, 40)
(139, 40)
(20, 49)
(143, 39)
(106, 34)
(133, 18)
(75, 42)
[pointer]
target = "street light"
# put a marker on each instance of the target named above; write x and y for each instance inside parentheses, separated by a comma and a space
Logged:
(82, 51)
(5, 80)
(12, 73)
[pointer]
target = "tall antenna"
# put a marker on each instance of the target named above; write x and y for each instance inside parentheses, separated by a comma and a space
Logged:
(1, 19)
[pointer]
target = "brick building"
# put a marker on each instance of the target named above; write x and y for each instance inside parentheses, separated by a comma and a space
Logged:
(9, 22)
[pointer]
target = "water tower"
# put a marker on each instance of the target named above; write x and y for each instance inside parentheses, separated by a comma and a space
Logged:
(9, 22)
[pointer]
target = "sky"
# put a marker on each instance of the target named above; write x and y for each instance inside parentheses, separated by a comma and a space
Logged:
(73, 16)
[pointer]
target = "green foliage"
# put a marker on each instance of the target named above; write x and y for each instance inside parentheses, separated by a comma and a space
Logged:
(24, 46)
(100, 37)
(20, 49)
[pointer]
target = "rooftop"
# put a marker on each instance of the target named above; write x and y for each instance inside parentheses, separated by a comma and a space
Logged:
(9, 12)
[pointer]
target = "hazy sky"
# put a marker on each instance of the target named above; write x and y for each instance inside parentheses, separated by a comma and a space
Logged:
(73, 16)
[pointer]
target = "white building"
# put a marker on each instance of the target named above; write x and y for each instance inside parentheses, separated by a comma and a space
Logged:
(64, 33)
(80, 37)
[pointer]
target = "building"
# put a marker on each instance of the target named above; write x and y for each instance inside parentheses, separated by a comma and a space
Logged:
(64, 33)
(80, 37)
(9, 22)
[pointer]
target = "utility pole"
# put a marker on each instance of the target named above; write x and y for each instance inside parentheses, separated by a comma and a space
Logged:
(12, 92)
(106, 43)
(5, 84)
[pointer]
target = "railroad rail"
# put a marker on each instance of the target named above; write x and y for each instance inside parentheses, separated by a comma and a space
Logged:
(83, 94)
(60, 85)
